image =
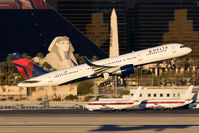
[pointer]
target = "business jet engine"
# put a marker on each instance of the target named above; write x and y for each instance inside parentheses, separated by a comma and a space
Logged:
(125, 70)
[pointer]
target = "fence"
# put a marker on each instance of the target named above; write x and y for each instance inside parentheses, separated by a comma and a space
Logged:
(37, 106)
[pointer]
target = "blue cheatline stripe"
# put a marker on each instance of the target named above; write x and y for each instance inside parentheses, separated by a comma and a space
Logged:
(24, 70)
(79, 79)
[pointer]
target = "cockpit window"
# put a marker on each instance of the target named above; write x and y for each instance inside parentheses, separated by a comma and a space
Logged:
(182, 46)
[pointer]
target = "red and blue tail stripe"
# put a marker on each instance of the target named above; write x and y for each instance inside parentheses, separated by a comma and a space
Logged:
(25, 67)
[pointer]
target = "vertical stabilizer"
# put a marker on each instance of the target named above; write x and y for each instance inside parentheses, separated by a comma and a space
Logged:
(188, 93)
(25, 67)
(136, 95)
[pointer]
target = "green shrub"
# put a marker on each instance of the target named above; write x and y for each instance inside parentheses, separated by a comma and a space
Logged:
(71, 97)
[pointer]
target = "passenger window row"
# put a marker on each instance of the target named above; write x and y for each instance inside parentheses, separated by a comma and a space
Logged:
(63, 74)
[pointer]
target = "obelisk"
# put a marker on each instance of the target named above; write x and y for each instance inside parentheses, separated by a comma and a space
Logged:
(114, 46)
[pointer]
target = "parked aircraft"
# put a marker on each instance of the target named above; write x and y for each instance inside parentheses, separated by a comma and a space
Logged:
(168, 103)
(120, 65)
(116, 103)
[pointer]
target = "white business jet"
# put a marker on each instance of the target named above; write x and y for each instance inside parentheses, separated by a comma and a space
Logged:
(168, 103)
(116, 103)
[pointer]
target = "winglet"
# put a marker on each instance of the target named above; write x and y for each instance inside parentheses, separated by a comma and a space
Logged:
(136, 95)
(75, 64)
(87, 61)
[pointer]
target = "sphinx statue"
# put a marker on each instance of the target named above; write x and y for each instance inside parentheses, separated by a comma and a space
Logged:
(60, 53)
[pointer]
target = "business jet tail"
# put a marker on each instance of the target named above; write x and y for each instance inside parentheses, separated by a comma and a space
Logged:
(25, 67)
(188, 93)
(136, 95)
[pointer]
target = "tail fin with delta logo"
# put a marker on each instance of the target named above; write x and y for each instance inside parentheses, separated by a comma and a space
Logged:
(25, 67)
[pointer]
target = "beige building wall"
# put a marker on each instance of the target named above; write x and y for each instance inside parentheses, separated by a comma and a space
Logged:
(20, 93)
(14, 92)
(53, 92)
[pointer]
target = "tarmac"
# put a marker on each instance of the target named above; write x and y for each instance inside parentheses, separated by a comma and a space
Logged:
(83, 121)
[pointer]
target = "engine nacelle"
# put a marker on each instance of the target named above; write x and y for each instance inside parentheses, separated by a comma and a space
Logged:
(125, 70)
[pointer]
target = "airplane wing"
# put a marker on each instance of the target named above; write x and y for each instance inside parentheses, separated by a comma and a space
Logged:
(99, 69)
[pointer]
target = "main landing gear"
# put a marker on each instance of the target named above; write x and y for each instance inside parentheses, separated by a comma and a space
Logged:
(108, 82)
(105, 83)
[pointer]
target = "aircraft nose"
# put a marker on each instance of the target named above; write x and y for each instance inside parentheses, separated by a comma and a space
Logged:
(189, 50)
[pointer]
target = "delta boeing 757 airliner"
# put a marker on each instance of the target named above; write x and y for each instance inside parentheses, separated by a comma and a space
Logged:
(120, 65)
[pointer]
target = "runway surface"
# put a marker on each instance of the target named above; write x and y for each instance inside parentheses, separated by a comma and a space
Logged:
(82, 121)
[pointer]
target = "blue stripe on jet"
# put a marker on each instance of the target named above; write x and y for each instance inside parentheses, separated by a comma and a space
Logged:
(79, 79)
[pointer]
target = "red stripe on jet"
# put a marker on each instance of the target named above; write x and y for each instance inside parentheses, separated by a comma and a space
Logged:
(169, 102)
(29, 69)
(110, 103)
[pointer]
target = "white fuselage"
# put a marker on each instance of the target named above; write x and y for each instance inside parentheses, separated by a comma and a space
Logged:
(85, 71)
(164, 103)
(117, 104)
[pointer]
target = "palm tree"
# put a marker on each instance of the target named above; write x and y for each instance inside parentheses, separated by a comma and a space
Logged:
(168, 65)
(46, 65)
(26, 56)
(79, 59)
(193, 63)
(94, 58)
(180, 65)
(40, 56)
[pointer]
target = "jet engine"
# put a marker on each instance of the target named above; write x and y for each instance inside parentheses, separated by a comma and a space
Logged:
(125, 70)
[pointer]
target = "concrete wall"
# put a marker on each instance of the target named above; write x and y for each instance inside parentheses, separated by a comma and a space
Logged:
(14, 92)
(18, 93)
